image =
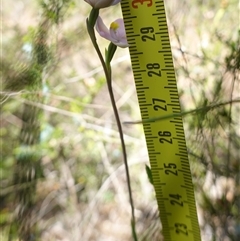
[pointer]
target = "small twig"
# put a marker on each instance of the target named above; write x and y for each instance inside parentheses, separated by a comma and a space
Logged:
(201, 109)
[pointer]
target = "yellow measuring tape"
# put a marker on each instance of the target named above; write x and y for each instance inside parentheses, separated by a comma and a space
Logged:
(152, 64)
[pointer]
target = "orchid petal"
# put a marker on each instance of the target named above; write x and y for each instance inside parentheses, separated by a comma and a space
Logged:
(116, 34)
(102, 29)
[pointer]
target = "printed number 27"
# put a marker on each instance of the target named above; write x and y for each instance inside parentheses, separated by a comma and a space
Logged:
(157, 104)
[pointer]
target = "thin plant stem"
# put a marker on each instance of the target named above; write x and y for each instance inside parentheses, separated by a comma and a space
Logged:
(107, 72)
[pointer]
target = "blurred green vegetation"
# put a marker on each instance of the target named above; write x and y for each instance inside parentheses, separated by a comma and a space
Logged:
(81, 192)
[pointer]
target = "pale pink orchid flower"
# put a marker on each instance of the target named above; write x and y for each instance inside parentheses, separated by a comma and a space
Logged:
(102, 3)
(116, 33)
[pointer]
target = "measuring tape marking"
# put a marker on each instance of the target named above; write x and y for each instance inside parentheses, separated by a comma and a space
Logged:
(154, 75)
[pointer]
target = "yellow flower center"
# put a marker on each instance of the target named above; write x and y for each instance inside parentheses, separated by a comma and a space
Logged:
(114, 26)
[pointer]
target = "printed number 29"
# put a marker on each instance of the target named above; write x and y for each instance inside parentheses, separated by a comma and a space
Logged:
(147, 34)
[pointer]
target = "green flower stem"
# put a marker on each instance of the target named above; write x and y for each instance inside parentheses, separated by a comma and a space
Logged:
(93, 17)
(107, 71)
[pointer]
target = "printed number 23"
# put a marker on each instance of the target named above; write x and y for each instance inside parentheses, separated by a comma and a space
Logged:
(181, 228)
(136, 2)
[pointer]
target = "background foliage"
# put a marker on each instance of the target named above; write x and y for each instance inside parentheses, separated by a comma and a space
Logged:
(81, 193)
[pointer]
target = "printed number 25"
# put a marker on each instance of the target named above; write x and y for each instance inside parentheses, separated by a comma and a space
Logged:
(136, 2)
